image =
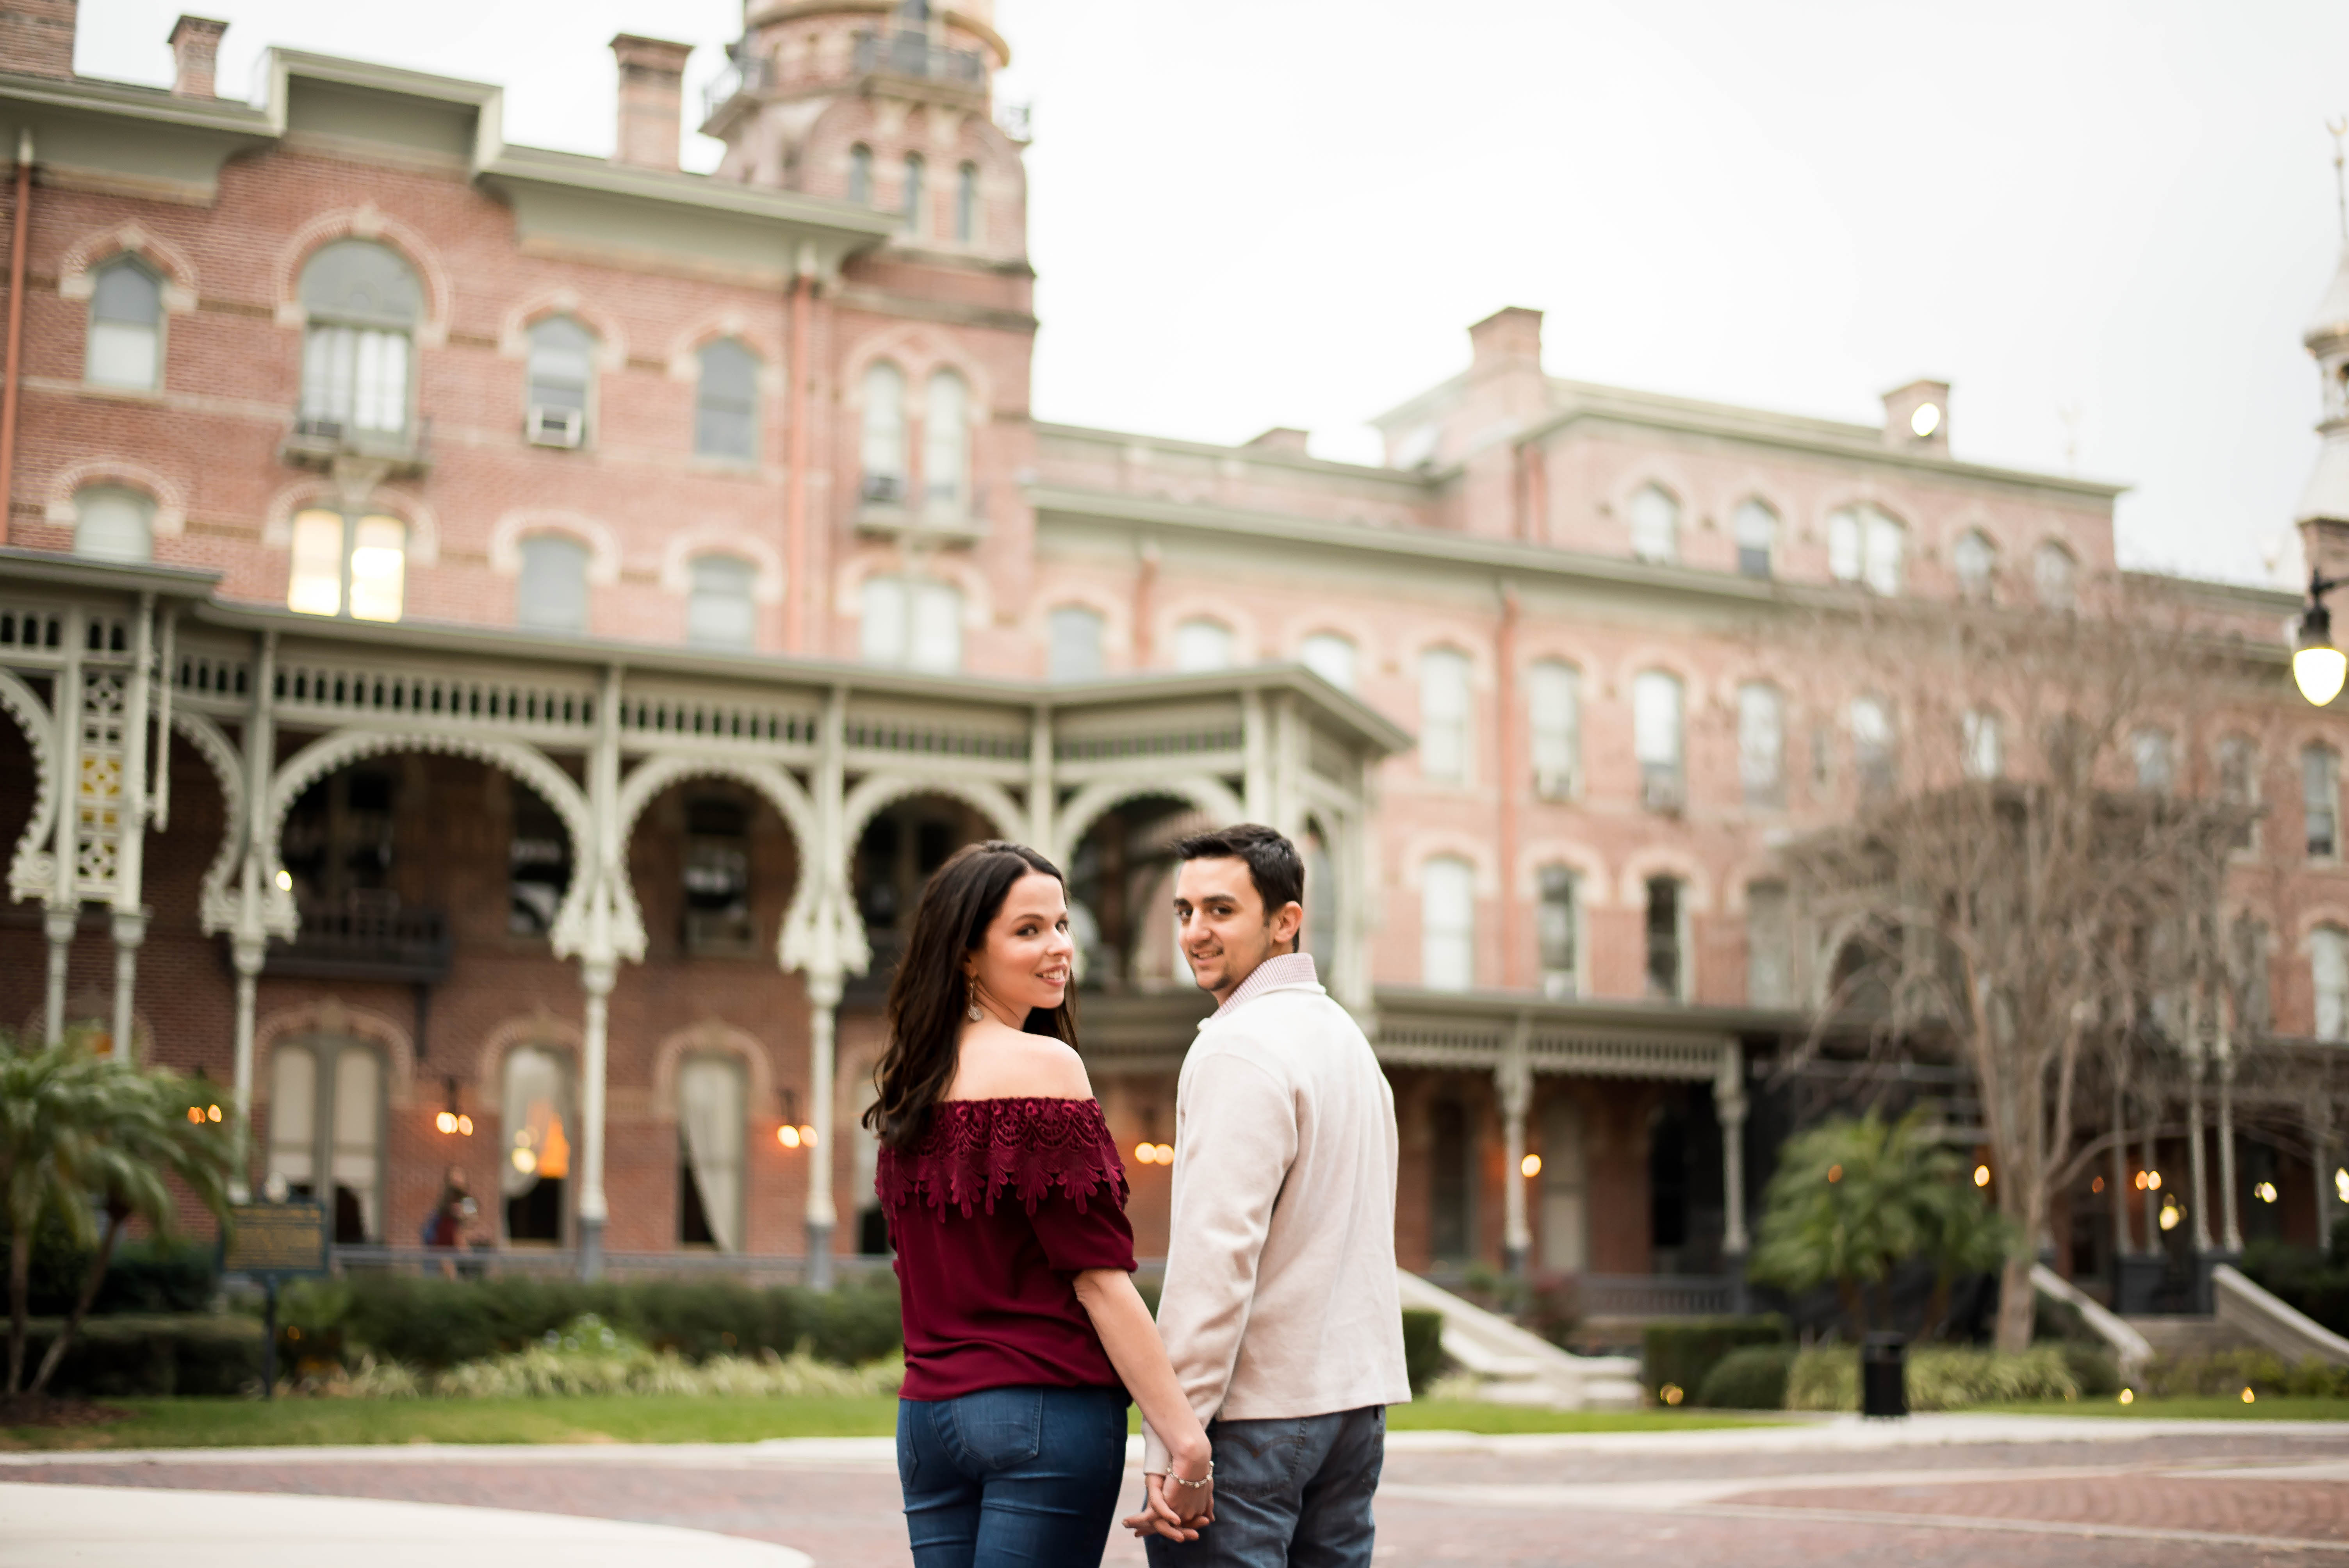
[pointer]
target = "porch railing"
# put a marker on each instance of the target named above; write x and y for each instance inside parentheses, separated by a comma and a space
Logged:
(558, 1262)
(1656, 1295)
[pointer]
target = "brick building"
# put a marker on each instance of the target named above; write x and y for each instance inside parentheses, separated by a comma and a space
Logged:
(501, 634)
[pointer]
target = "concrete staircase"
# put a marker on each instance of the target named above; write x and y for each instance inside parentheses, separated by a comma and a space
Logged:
(2190, 1335)
(1516, 1367)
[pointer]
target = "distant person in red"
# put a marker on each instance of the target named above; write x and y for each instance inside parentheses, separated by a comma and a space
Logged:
(451, 1218)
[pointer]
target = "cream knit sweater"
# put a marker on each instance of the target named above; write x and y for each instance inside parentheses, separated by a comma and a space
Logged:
(1280, 1294)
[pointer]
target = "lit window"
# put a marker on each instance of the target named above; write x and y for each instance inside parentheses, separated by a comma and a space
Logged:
(349, 565)
(553, 592)
(1557, 929)
(111, 523)
(1976, 562)
(2054, 574)
(726, 403)
(1330, 656)
(1076, 651)
(562, 368)
(2328, 966)
(946, 447)
(1756, 528)
(362, 302)
(911, 622)
(860, 175)
(912, 212)
(966, 203)
(2156, 760)
(1762, 744)
(1871, 745)
(1447, 903)
(884, 442)
(1667, 972)
(718, 611)
(538, 1132)
(1444, 715)
(125, 326)
(2320, 789)
(1656, 738)
(1984, 745)
(1769, 946)
(1655, 525)
(1553, 696)
(1865, 544)
(1201, 646)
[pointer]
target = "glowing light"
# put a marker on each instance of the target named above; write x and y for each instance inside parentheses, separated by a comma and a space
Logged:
(211, 1113)
(787, 1136)
(807, 1136)
(2098, 1185)
(195, 1115)
(2153, 1181)
(2170, 1214)
(2265, 1192)
(1981, 1175)
(1926, 419)
(2341, 1184)
(1671, 1394)
(524, 1160)
(1530, 1165)
(2129, 1396)
(464, 1125)
(1835, 1173)
(2249, 1397)
(446, 1122)
(1146, 1154)
(2137, 1181)
(285, 882)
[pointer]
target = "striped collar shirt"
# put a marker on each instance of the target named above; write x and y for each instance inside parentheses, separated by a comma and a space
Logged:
(1280, 970)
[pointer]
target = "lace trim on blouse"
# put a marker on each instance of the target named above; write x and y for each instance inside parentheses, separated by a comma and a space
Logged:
(975, 1149)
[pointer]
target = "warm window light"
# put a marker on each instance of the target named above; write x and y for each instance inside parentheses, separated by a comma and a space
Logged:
(2098, 1185)
(1530, 1165)
(2265, 1192)
(2170, 1216)
(1146, 1154)
(285, 882)
(2129, 1396)
(2341, 1184)
(524, 1160)
(1165, 1152)
(1981, 1175)
(2318, 667)
(787, 1136)
(1926, 419)
(378, 564)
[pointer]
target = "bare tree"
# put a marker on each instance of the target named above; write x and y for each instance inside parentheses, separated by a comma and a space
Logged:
(2031, 877)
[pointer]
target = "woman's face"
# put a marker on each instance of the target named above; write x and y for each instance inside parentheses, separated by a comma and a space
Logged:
(1022, 962)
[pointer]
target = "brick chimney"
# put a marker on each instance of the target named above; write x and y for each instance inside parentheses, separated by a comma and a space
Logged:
(195, 56)
(1282, 439)
(37, 37)
(652, 97)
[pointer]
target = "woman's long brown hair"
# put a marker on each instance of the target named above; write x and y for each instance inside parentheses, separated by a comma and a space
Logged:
(929, 995)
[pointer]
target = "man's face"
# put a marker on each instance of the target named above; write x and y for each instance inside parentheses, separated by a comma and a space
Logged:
(1220, 919)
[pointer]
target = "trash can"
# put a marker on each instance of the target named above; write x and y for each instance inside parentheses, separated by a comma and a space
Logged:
(1884, 1377)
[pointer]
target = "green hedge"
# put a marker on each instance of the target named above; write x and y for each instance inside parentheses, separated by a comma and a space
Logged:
(438, 1323)
(1940, 1377)
(148, 1275)
(1681, 1352)
(1753, 1378)
(2310, 1279)
(1423, 1346)
(141, 1354)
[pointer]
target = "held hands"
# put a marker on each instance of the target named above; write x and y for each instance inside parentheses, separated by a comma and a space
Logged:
(1173, 1510)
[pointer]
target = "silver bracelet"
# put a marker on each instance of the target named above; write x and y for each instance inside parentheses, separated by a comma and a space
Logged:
(1207, 1479)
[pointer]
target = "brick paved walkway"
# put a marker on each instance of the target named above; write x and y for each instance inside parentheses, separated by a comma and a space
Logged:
(2180, 1500)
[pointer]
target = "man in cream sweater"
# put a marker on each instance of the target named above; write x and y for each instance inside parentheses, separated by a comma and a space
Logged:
(1279, 1309)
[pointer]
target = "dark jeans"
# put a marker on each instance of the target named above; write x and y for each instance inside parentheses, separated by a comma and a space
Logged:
(1294, 1491)
(1011, 1476)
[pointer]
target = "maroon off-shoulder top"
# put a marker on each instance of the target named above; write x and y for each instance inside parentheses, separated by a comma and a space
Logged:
(993, 1213)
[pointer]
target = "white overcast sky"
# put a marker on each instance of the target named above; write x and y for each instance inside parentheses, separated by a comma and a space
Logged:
(1251, 213)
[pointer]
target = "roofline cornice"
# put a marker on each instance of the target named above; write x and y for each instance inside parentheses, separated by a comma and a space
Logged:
(135, 101)
(1303, 462)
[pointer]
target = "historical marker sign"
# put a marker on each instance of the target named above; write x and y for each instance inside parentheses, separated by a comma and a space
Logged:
(276, 1240)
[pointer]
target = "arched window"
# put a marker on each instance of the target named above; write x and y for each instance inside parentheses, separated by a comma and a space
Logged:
(884, 445)
(552, 595)
(1872, 757)
(1769, 946)
(1656, 738)
(362, 302)
(1983, 745)
(718, 611)
(711, 1107)
(726, 402)
(561, 370)
(1667, 927)
(945, 445)
(1447, 923)
(1554, 700)
(125, 326)
(1755, 527)
(1558, 930)
(1076, 650)
(111, 523)
(2328, 974)
(966, 203)
(1444, 715)
(1655, 524)
(860, 175)
(326, 1133)
(1867, 544)
(915, 192)
(540, 1131)
(1331, 656)
(1975, 560)
(1762, 744)
(2056, 575)
(2155, 756)
(1565, 1183)
(2319, 795)
(347, 564)
(911, 622)
(1202, 644)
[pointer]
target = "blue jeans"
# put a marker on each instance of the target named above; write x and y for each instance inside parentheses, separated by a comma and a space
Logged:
(1295, 1492)
(1007, 1477)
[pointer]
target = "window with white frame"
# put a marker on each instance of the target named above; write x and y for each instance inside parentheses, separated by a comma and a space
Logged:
(362, 304)
(113, 524)
(1656, 738)
(882, 444)
(2238, 762)
(326, 1133)
(1201, 645)
(1655, 524)
(1769, 946)
(719, 609)
(1756, 528)
(1076, 641)
(1975, 560)
(945, 445)
(551, 592)
(1444, 682)
(1983, 744)
(2328, 974)
(125, 326)
(1867, 544)
(860, 175)
(915, 623)
(1667, 939)
(1331, 655)
(1558, 930)
(1447, 920)
(562, 371)
(711, 1111)
(2056, 575)
(1762, 744)
(966, 203)
(726, 402)
(346, 564)
(915, 190)
(2320, 793)
(1872, 750)
(1554, 698)
(2155, 756)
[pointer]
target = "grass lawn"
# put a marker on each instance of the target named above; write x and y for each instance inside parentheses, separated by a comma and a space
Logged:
(661, 1419)
(2223, 1408)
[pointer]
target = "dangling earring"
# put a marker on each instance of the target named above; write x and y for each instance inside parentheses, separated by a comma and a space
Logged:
(973, 1014)
(973, 1011)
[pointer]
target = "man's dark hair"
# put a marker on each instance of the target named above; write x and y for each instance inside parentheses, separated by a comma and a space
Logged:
(1273, 862)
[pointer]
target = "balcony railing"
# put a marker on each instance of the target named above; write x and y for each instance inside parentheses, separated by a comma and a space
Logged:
(314, 443)
(366, 939)
(908, 52)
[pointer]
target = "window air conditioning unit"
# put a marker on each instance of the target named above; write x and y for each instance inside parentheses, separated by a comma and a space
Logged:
(554, 427)
(885, 489)
(1554, 784)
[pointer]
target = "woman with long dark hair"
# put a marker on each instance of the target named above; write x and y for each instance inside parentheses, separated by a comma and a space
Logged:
(1006, 1200)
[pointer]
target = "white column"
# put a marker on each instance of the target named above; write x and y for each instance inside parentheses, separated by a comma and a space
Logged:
(249, 941)
(2230, 1200)
(1513, 1083)
(2200, 1199)
(63, 912)
(58, 923)
(823, 1210)
(129, 931)
(130, 850)
(826, 971)
(1043, 808)
(1730, 1105)
(1256, 750)
(598, 969)
(246, 955)
(595, 977)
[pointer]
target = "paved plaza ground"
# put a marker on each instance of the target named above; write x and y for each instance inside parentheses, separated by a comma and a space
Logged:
(1950, 1490)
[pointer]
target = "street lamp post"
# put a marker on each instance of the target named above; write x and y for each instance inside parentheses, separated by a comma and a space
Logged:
(2318, 667)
